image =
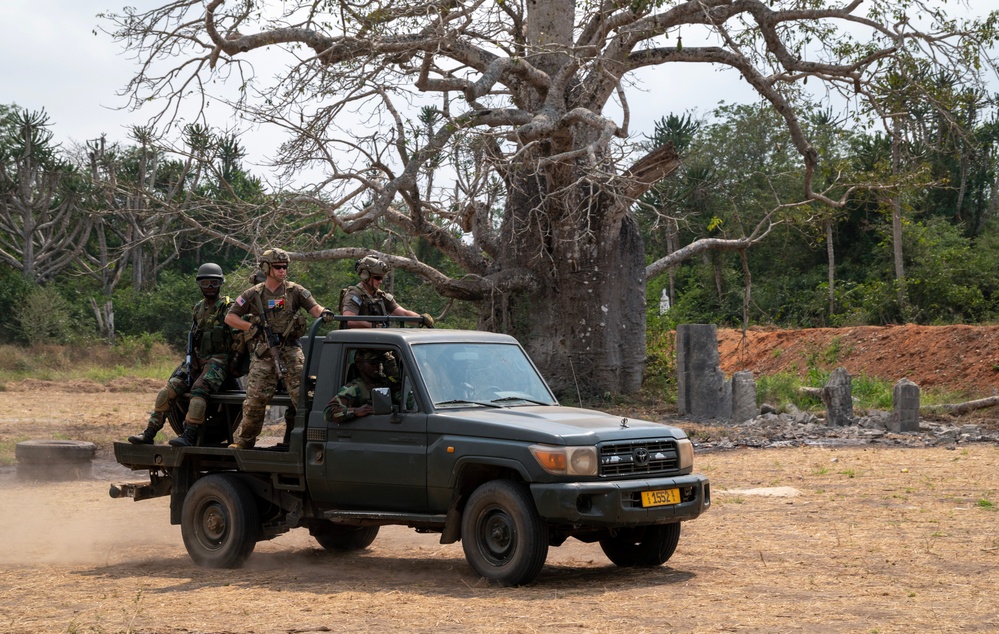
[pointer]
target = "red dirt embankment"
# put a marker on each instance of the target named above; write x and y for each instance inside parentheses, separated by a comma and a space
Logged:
(959, 358)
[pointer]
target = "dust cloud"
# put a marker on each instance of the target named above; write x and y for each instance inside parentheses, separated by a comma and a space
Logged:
(78, 522)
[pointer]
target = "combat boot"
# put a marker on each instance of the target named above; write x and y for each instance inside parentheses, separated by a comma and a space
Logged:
(243, 443)
(148, 436)
(188, 438)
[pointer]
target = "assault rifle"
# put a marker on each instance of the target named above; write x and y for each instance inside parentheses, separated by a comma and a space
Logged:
(273, 340)
(190, 353)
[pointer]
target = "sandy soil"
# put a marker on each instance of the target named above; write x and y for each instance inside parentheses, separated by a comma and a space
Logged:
(809, 539)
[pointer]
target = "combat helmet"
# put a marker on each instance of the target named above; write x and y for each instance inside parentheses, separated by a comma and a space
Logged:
(210, 271)
(273, 256)
(369, 265)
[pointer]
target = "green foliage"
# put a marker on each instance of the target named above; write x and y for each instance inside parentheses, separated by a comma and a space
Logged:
(660, 360)
(14, 289)
(43, 317)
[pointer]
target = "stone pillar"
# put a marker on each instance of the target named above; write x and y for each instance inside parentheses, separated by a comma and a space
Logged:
(743, 397)
(905, 416)
(703, 391)
(838, 397)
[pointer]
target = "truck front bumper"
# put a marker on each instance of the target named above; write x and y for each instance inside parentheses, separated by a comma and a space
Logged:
(619, 503)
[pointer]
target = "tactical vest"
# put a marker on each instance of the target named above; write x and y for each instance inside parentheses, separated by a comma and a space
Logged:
(212, 336)
(369, 305)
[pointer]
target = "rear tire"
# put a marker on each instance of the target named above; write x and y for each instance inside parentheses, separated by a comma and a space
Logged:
(338, 538)
(504, 538)
(220, 522)
(642, 546)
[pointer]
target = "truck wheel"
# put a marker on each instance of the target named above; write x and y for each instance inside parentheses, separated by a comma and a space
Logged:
(642, 546)
(220, 522)
(503, 537)
(338, 538)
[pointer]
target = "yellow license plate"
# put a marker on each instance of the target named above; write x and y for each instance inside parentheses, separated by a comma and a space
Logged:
(661, 497)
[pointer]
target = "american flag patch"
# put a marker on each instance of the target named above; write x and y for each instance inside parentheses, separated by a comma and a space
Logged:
(275, 304)
(240, 300)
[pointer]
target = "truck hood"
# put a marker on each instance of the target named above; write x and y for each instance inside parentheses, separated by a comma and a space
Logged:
(547, 424)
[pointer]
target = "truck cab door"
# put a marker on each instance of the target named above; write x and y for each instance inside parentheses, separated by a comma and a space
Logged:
(379, 461)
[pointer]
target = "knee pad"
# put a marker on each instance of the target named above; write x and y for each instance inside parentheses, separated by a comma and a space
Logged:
(163, 399)
(196, 411)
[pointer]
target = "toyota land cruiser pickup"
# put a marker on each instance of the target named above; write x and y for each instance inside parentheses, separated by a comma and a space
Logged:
(470, 443)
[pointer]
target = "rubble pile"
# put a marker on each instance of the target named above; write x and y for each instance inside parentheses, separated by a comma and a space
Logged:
(795, 428)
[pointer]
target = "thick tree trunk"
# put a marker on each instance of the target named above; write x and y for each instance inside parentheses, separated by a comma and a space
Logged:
(584, 325)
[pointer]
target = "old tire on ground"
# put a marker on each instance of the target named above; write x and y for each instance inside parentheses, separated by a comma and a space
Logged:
(220, 522)
(504, 538)
(339, 538)
(54, 459)
(643, 545)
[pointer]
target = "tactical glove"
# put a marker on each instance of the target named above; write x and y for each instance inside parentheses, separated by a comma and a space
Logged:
(327, 315)
(428, 321)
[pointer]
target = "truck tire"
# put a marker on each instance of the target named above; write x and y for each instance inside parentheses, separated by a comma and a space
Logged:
(504, 538)
(339, 538)
(643, 545)
(219, 522)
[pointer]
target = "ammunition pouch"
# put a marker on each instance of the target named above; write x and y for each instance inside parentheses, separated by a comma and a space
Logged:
(213, 342)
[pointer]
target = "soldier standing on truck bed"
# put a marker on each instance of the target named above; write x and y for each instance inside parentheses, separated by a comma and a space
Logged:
(271, 309)
(367, 298)
(209, 346)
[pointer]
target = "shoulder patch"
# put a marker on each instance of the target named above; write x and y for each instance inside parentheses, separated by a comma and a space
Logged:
(306, 293)
(240, 300)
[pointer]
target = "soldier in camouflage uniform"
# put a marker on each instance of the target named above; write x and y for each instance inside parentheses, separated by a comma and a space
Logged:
(275, 303)
(367, 298)
(211, 347)
(354, 399)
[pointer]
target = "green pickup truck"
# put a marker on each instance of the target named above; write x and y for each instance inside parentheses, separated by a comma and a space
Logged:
(469, 443)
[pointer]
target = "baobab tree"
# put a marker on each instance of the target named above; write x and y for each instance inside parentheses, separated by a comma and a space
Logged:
(499, 131)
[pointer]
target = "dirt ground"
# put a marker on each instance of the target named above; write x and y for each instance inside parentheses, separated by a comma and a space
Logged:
(816, 539)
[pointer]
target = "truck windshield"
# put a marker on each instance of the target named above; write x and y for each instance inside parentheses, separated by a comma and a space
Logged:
(470, 374)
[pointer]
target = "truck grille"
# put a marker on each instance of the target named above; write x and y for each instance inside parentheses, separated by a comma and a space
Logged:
(638, 458)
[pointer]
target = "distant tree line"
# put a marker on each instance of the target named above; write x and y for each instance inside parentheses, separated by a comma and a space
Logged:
(101, 240)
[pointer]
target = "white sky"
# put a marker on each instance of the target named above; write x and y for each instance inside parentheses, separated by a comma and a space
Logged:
(50, 58)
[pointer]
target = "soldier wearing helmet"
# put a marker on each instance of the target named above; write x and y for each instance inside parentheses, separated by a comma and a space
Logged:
(274, 304)
(367, 298)
(206, 366)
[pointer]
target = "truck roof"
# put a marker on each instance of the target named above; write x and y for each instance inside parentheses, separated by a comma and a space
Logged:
(416, 336)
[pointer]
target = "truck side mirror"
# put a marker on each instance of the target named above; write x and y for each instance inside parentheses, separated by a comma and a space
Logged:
(381, 400)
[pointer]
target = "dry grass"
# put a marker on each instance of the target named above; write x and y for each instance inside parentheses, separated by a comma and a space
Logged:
(878, 540)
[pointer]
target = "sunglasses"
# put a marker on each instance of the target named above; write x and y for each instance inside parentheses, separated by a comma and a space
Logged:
(377, 277)
(279, 266)
(209, 283)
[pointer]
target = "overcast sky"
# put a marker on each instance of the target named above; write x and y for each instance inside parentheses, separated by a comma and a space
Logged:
(50, 58)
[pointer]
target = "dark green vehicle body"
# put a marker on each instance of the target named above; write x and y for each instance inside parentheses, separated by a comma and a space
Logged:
(454, 449)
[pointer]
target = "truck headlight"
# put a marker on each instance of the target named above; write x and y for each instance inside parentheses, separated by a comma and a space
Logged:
(581, 461)
(685, 449)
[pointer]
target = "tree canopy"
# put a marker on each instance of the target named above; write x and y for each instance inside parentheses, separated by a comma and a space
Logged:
(500, 133)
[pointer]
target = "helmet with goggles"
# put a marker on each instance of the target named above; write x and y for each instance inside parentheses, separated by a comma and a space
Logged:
(210, 275)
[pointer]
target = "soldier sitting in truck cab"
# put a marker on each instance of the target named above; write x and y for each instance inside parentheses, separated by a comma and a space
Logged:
(375, 368)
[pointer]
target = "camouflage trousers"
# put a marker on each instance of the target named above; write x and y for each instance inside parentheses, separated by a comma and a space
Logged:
(213, 373)
(261, 384)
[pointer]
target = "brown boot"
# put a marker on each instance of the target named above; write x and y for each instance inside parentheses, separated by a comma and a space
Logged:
(243, 443)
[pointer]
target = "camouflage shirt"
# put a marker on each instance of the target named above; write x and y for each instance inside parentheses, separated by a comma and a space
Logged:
(280, 306)
(211, 337)
(360, 302)
(350, 396)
